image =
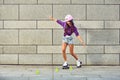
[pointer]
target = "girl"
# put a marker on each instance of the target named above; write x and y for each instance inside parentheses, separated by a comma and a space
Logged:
(69, 28)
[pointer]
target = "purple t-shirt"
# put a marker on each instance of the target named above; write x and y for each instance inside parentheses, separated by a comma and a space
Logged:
(69, 30)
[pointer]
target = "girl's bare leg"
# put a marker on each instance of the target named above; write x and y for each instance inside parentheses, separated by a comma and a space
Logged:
(71, 47)
(64, 46)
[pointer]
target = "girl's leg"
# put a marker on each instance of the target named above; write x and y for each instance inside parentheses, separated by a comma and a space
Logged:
(71, 47)
(65, 65)
(64, 46)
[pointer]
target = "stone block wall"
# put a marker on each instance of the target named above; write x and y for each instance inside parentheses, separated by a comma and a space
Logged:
(27, 36)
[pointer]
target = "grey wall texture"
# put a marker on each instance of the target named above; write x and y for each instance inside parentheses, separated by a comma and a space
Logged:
(27, 36)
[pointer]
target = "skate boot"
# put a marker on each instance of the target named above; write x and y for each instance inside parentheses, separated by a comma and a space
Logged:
(65, 65)
(79, 64)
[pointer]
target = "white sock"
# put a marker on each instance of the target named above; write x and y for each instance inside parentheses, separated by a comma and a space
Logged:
(78, 63)
(65, 63)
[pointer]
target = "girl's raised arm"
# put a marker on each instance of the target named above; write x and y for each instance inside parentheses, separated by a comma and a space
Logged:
(58, 21)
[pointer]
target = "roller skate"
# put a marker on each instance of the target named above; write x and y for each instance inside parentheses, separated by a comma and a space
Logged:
(79, 64)
(65, 66)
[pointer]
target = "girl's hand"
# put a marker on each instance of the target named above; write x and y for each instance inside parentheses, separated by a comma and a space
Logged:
(81, 40)
(53, 19)
(50, 17)
(83, 44)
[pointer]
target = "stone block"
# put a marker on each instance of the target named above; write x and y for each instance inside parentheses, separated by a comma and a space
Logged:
(49, 49)
(89, 24)
(48, 24)
(112, 24)
(20, 24)
(102, 12)
(8, 59)
(8, 12)
(8, 37)
(20, 1)
(89, 49)
(35, 12)
(54, 2)
(36, 37)
(35, 59)
(112, 49)
(102, 37)
(19, 49)
(88, 1)
(103, 59)
(112, 1)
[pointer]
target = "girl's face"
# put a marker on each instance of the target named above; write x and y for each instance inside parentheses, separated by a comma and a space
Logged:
(69, 23)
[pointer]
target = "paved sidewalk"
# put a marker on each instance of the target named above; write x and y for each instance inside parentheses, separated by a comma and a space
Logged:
(21, 72)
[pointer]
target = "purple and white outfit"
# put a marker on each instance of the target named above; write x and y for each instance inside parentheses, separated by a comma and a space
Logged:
(67, 38)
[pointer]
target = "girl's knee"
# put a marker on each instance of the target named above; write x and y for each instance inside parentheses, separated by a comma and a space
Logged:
(72, 53)
(63, 50)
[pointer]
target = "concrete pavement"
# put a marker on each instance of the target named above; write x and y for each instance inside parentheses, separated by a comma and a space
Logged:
(27, 72)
